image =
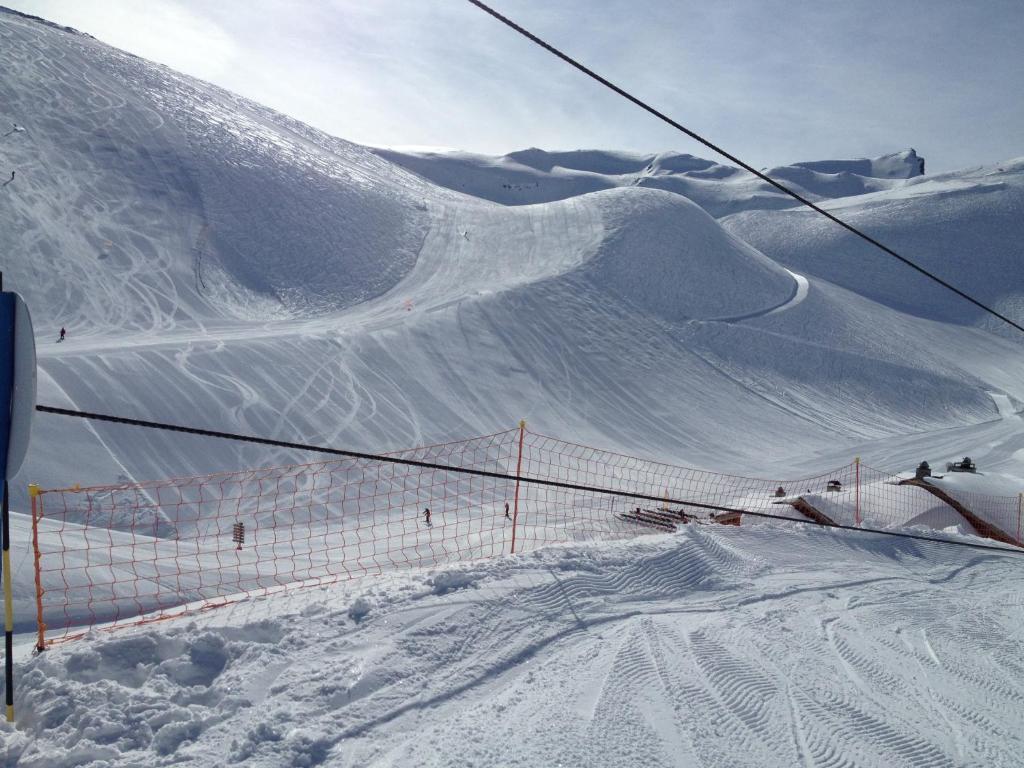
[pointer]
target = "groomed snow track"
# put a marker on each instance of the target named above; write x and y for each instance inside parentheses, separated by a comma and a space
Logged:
(714, 646)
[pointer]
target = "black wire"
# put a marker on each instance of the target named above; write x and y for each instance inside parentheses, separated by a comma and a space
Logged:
(495, 475)
(697, 137)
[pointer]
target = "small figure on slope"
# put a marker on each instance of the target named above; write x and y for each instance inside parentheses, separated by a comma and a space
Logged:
(426, 516)
(62, 334)
(507, 515)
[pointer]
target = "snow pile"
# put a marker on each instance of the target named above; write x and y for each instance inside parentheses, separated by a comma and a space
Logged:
(758, 646)
(987, 483)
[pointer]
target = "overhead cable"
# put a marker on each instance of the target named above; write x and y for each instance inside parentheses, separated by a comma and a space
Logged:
(498, 475)
(745, 166)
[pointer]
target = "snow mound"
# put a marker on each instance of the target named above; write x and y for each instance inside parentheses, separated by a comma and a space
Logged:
(664, 254)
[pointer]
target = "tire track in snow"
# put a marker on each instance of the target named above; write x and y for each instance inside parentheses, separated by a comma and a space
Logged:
(868, 736)
(743, 689)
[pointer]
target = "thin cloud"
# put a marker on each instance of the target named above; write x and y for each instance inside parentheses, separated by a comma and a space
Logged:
(774, 81)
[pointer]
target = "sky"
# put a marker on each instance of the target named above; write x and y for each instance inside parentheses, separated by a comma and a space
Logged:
(772, 81)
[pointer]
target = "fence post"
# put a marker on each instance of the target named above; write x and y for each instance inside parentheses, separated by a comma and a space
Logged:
(519, 469)
(856, 503)
(37, 512)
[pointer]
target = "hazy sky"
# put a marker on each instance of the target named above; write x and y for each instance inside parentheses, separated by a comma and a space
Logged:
(773, 81)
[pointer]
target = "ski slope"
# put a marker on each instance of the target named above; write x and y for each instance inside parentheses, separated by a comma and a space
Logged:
(971, 242)
(750, 646)
(221, 265)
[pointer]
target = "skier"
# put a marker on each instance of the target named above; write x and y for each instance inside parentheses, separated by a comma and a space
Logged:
(426, 516)
(507, 515)
(62, 332)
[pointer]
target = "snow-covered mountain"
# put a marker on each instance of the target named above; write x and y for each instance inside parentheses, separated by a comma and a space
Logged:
(962, 226)
(219, 264)
(534, 176)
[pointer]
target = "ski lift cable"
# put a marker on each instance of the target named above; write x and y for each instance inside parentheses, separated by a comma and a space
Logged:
(732, 158)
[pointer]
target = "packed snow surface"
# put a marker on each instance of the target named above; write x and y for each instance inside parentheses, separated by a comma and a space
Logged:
(753, 646)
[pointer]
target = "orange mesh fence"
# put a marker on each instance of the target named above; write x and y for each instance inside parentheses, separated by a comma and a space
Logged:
(995, 516)
(133, 553)
(116, 554)
(551, 514)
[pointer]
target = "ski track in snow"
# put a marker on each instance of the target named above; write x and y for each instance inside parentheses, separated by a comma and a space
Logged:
(646, 652)
(594, 316)
(222, 265)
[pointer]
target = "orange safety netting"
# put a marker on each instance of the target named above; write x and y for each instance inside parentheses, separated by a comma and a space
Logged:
(126, 554)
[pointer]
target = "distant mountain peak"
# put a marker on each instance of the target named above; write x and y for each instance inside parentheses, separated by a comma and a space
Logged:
(898, 165)
(40, 20)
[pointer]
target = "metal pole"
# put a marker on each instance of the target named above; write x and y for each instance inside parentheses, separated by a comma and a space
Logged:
(856, 509)
(8, 609)
(519, 469)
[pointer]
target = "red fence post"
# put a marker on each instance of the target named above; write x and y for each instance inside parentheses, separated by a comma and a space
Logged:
(519, 469)
(1020, 508)
(37, 504)
(856, 503)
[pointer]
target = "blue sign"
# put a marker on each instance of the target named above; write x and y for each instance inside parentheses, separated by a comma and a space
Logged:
(17, 382)
(6, 375)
